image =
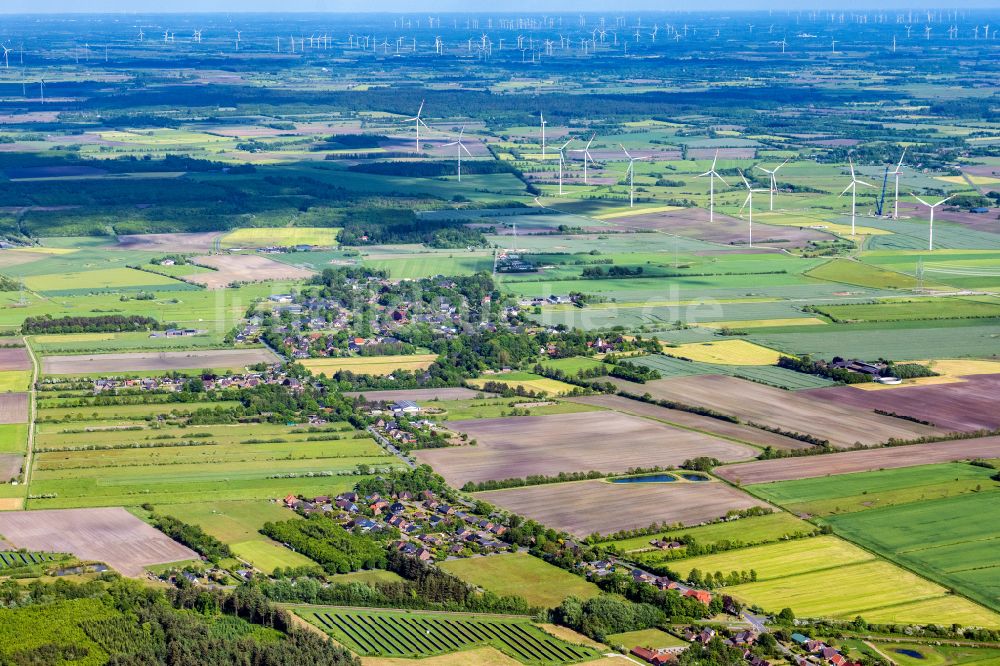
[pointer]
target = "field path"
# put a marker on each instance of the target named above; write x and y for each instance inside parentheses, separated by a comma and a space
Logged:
(32, 411)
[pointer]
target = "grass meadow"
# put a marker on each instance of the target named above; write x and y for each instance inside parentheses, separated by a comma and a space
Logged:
(541, 583)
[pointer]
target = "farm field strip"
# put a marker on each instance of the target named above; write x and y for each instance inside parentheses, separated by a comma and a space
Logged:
(104, 364)
(541, 583)
(771, 527)
(846, 462)
(369, 365)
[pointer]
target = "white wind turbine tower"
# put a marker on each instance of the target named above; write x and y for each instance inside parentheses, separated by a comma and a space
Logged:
(631, 176)
(774, 182)
(418, 121)
(562, 161)
(712, 175)
(6, 51)
(541, 119)
(459, 149)
(748, 202)
(853, 187)
(586, 158)
(930, 233)
(896, 174)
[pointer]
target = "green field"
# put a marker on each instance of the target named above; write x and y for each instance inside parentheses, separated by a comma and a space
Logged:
(541, 583)
(85, 343)
(489, 408)
(828, 577)
(178, 464)
(13, 437)
(862, 275)
(846, 493)
(281, 236)
(648, 638)
(572, 365)
(415, 635)
(670, 366)
(916, 309)
(101, 280)
(15, 381)
(953, 541)
(753, 530)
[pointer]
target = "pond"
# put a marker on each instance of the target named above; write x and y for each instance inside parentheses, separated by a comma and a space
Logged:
(695, 477)
(648, 478)
(913, 654)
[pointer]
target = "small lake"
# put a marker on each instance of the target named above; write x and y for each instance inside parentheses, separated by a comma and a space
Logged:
(695, 477)
(648, 478)
(913, 654)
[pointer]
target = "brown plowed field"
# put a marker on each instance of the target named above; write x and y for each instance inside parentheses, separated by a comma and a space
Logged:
(842, 425)
(111, 535)
(10, 466)
(14, 358)
(584, 507)
(784, 469)
(13, 407)
(196, 242)
(181, 360)
(743, 433)
(418, 395)
(518, 446)
(964, 406)
(693, 223)
(231, 268)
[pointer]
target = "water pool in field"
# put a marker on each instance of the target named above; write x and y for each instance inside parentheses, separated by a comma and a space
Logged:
(913, 654)
(647, 478)
(695, 477)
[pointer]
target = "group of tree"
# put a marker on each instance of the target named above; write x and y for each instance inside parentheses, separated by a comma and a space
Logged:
(191, 536)
(80, 324)
(335, 548)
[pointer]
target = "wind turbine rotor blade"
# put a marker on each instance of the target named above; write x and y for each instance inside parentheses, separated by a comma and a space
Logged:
(626, 152)
(945, 199)
(761, 168)
(780, 165)
(900, 163)
(851, 163)
(861, 182)
(702, 175)
(745, 181)
(920, 200)
(714, 160)
(847, 189)
(465, 149)
(722, 179)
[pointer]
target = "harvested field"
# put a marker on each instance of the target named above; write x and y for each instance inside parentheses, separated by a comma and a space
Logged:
(725, 429)
(13, 407)
(369, 365)
(173, 243)
(111, 535)
(847, 462)
(515, 447)
(963, 406)
(231, 268)
(693, 223)
(14, 358)
(840, 424)
(417, 395)
(10, 466)
(182, 360)
(584, 507)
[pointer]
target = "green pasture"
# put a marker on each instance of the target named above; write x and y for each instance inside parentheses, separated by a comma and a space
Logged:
(541, 583)
(862, 491)
(952, 540)
(87, 343)
(669, 366)
(753, 530)
(980, 307)
(489, 408)
(13, 437)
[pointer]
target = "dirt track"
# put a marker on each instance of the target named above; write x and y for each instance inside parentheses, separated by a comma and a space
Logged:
(516, 447)
(584, 507)
(785, 469)
(111, 535)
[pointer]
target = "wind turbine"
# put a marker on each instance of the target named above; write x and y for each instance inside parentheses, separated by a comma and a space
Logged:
(774, 182)
(748, 202)
(631, 176)
(541, 119)
(896, 174)
(562, 160)
(853, 187)
(586, 157)
(459, 149)
(6, 51)
(712, 175)
(930, 233)
(418, 121)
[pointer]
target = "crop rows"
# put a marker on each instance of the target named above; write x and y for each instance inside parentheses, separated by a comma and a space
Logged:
(397, 635)
(15, 559)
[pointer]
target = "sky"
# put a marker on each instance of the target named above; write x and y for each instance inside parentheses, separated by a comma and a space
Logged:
(421, 6)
